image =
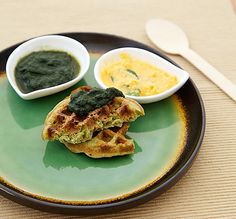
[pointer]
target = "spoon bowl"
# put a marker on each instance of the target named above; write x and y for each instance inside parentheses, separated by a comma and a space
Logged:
(167, 36)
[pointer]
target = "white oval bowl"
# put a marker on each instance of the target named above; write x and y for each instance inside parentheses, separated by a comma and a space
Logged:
(49, 42)
(148, 57)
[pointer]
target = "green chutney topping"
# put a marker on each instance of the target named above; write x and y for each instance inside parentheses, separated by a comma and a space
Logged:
(44, 69)
(84, 102)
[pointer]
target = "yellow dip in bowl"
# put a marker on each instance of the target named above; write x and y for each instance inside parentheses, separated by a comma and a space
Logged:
(136, 77)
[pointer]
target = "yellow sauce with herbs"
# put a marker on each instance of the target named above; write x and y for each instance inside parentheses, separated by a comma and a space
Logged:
(136, 77)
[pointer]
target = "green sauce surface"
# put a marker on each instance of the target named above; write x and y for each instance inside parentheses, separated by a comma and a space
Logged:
(44, 69)
(84, 102)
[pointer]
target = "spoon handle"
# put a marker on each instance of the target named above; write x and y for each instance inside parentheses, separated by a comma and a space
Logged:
(209, 71)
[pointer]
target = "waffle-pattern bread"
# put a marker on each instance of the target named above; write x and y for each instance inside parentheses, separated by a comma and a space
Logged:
(65, 126)
(107, 143)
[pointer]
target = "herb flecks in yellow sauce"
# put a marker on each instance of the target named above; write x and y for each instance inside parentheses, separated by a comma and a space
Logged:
(136, 77)
(44, 69)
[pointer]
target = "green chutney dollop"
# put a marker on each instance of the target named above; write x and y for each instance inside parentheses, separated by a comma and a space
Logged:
(44, 69)
(83, 102)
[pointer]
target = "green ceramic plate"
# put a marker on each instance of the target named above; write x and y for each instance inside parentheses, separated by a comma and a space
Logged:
(47, 176)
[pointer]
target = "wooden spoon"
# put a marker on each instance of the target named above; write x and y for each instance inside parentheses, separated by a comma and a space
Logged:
(171, 39)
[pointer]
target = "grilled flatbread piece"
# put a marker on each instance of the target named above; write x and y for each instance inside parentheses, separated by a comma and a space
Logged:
(107, 143)
(65, 126)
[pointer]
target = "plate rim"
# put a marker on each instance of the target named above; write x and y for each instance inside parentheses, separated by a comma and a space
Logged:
(140, 198)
